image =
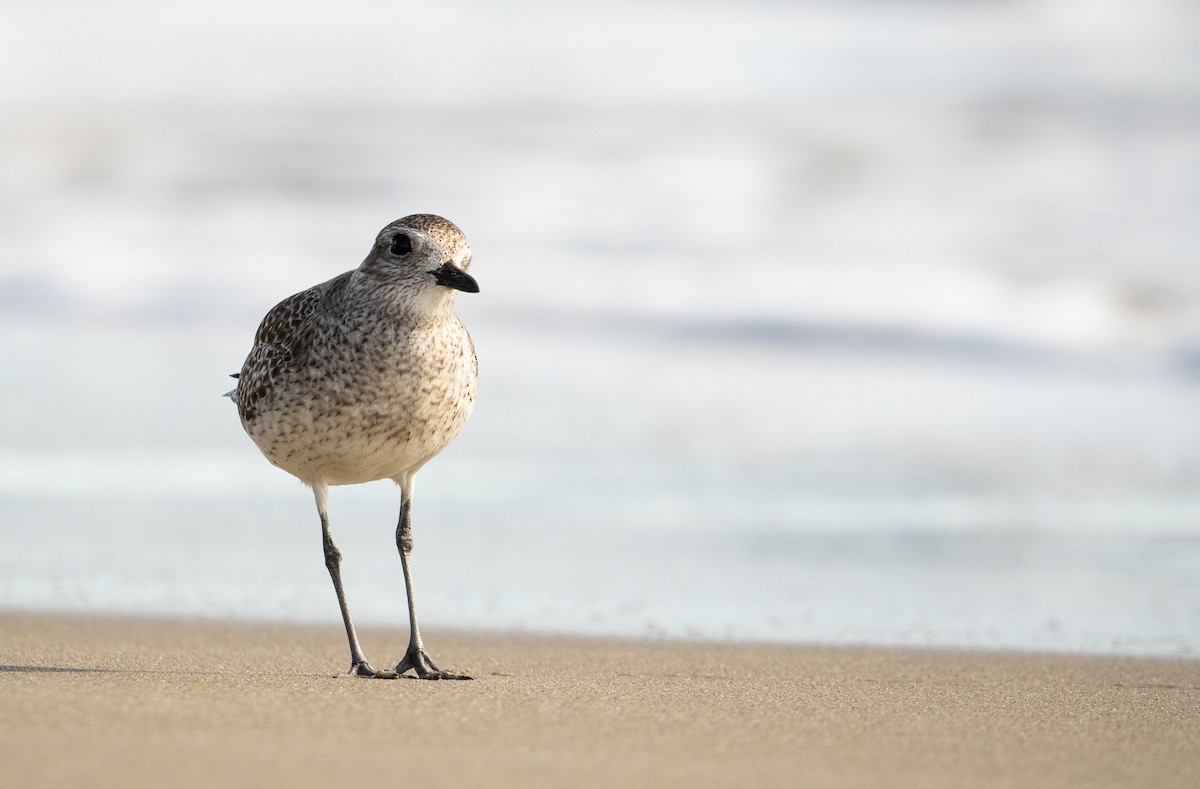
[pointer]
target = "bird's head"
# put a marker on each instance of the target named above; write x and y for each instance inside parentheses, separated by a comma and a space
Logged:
(423, 256)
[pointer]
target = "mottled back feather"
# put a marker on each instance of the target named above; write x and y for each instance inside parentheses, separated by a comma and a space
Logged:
(285, 336)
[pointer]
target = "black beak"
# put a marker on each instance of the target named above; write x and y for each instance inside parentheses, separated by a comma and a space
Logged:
(452, 276)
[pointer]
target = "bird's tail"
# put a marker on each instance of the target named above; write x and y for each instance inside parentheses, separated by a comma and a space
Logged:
(232, 393)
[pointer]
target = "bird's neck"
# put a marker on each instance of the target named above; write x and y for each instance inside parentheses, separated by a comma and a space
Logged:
(404, 300)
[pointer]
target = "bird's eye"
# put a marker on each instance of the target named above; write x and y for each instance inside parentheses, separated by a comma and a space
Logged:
(401, 245)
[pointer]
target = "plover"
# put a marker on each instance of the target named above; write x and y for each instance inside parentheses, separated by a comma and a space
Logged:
(366, 377)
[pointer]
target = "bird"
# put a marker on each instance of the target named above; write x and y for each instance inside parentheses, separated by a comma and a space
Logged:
(367, 377)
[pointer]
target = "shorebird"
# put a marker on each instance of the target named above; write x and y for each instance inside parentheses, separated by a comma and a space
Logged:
(366, 377)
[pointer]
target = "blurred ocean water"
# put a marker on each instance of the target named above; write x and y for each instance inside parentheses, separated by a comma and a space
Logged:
(860, 322)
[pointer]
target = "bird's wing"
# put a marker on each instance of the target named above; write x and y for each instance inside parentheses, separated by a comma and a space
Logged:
(282, 339)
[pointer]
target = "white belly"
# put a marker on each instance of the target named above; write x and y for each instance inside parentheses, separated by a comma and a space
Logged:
(379, 418)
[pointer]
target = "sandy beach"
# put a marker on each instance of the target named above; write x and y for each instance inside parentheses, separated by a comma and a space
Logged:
(138, 702)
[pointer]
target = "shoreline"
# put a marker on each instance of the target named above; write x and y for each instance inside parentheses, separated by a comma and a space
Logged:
(132, 701)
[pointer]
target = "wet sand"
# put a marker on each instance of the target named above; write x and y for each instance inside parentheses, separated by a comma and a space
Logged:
(138, 702)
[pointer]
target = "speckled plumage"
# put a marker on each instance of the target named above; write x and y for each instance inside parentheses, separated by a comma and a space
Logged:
(365, 377)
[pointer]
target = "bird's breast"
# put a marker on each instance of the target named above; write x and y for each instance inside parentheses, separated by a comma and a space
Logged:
(371, 405)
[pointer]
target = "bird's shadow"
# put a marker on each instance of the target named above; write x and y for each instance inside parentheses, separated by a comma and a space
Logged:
(10, 669)
(113, 671)
(53, 670)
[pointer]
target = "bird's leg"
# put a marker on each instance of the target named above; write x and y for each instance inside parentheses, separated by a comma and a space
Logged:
(359, 667)
(415, 658)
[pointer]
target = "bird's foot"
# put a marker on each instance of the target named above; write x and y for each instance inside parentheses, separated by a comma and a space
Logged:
(363, 669)
(418, 660)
